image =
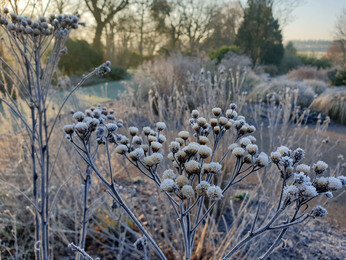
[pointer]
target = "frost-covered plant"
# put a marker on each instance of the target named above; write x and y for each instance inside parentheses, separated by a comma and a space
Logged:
(35, 47)
(196, 162)
(97, 127)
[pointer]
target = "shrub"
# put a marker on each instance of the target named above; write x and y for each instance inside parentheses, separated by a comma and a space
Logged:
(337, 77)
(333, 103)
(81, 57)
(220, 53)
(276, 88)
(116, 73)
(308, 72)
(320, 63)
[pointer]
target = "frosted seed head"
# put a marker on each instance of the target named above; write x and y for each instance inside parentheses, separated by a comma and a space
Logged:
(343, 180)
(320, 167)
(247, 159)
(252, 149)
(174, 147)
(244, 142)
(181, 181)
(121, 149)
(263, 160)
(201, 121)
(195, 113)
(181, 156)
(291, 192)
(223, 121)
(213, 167)
(233, 106)
(231, 114)
(216, 111)
(136, 154)
(146, 130)
(133, 130)
(202, 188)
(252, 138)
(184, 135)
(298, 154)
(214, 193)
(204, 151)
(156, 146)
(161, 126)
(308, 191)
(78, 116)
(213, 122)
(303, 168)
(238, 152)
(162, 139)
(168, 174)
(192, 149)
(167, 185)
(319, 212)
(152, 139)
(192, 167)
(81, 128)
(284, 151)
(286, 161)
(137, 140)
(216, 130)
(334, 184)
(232, 146)
(203, 140)
(68, 129)
(187, 192)
(180, 141)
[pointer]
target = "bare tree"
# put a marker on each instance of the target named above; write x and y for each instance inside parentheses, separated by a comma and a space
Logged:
(340, 33)
(103, 12)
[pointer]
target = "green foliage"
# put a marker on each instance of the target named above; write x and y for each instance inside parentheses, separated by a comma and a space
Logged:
(222, 51)
(259, 34)
(116, 73)
(290, 60)
(81, 57)
(337, 77)
(320, 63)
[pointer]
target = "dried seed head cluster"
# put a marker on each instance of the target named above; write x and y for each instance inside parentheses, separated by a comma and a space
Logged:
(301, 185)
(58, 26)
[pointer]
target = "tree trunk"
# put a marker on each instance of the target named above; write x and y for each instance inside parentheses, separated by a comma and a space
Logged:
(97, 44)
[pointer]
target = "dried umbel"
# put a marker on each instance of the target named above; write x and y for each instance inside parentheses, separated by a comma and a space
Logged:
(189, 184)
(190, 180)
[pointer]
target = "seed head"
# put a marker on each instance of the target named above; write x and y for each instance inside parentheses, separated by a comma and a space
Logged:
(203, 140)
(161, 126)
(121, 149)
(213, 167)
(146, 130)
(174, 147)
(168, 174)
(204, 151)
(263, 160)
(133, 130)
(202, 188)
(192, 167)
(319, 212)
(181, 181)
(187, 192)
(195, 113)
(167, 185)
(183, 135)
(216, 111)
(214, 193)
(238, 152)
(303, 168)
(320, 167)
(156, 146)
(68, 129)
(78, 116)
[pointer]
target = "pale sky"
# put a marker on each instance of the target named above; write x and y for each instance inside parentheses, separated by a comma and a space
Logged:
(314, 20)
